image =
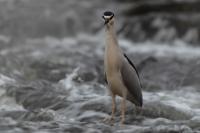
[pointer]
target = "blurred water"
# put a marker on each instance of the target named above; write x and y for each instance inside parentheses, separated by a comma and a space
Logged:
(50, 84)
(89, 102)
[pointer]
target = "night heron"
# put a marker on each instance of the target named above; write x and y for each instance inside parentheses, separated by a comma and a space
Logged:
(121, 75)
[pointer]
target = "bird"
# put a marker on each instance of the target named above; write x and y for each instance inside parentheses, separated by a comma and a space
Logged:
(121, 75)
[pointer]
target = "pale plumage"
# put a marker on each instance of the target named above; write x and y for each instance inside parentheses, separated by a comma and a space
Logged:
(120, 73)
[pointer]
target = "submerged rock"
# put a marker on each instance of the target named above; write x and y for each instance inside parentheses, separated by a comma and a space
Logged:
(39, 94)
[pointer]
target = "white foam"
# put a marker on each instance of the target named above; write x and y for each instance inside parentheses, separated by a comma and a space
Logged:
(71, 87)
(84, 43)
(80, 91)
(178, 48)
(185, 99)
(4, 79)
(68, 81)
(7, 103)
(92, 114)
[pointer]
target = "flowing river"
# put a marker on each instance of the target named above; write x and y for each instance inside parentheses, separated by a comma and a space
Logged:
(56, 84)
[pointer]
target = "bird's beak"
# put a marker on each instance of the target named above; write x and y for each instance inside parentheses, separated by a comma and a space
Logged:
(106, 20)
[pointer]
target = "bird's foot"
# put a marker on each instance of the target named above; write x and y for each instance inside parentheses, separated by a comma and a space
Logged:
(122, 122)
(121, 125)
(109, 120)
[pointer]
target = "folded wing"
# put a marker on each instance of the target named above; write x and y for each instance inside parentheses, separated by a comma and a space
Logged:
(131, 80)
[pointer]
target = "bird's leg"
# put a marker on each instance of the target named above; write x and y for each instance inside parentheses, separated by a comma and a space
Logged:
(123, 109)
(113, 107)
(111, 118)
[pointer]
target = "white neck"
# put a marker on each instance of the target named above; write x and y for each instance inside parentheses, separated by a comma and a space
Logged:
(112, 51)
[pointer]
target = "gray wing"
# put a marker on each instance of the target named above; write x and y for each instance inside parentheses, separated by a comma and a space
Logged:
(131, 80)
(105, 78)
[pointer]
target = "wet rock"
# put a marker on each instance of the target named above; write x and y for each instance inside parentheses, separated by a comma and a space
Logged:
(74, 129)
(12, 114)
(39, 115)
(170, 75)
(47, 70)
(87, 75)
(91, 117)
(156, 110)
(102, 104)
(31, 95)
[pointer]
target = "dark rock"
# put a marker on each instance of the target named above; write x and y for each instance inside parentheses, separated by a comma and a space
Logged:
(47, 70)
(74, 129)
(142, 8)
(162, 21)
(31, 95)
(12, 114)
(87, 76)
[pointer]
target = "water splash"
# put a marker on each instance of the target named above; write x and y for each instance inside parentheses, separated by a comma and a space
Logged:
(7, 103)
(4, 80)
(177, 49)
(185, 99)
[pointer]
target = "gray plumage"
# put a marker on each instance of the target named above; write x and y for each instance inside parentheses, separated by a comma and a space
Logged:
(131, 80)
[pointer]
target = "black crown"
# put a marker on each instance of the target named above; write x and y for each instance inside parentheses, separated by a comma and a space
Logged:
(108, 13)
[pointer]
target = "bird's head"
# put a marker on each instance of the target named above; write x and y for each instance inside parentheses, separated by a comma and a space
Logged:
(108, 16)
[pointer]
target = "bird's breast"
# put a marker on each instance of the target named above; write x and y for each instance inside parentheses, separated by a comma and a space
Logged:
(112, 68)
(115, 84)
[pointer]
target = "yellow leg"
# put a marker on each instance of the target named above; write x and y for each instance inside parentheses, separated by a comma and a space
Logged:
(113, 107)
(111, 118)
(123, 110)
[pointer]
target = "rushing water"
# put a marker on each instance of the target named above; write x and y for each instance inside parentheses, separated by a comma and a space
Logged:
(50, 84)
